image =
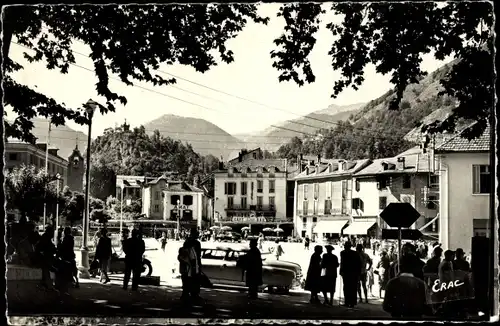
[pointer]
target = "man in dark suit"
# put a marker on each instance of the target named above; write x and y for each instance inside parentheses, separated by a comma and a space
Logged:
(134, 248)
(350, 270)
(195, 275)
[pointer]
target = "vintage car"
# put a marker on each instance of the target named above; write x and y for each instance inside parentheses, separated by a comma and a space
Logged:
(228, 236)
(220, 266)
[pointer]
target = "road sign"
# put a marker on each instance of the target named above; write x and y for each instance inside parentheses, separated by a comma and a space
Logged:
(399, 215)
(406, 234)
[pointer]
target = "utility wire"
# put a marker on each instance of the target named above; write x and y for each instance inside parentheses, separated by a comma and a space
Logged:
(390, 135)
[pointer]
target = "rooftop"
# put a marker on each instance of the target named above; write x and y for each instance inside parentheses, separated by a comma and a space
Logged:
(323, 170)
(253, 165)
(460, 144)
(175, 185)
(414, 162)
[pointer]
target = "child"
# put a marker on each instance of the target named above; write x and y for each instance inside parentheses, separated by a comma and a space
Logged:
(370, 281)
(163, 241)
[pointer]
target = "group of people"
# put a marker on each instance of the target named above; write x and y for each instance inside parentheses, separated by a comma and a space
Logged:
(59, 259)
(405, 292)
(322, 274)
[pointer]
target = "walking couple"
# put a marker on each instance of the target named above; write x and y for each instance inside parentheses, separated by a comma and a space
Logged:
(322, 274)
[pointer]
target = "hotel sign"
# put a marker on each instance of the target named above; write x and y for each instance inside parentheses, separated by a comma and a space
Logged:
(249, 219)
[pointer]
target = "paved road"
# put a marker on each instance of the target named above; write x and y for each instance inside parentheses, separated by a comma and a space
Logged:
(95, 299)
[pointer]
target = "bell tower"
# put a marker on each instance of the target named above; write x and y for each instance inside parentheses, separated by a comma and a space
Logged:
(76, 169)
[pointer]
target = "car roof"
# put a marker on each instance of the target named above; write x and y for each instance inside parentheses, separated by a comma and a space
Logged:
(226, 248)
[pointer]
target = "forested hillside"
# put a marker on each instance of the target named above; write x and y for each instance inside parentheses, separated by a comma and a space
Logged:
(133, 152)
(375, 131)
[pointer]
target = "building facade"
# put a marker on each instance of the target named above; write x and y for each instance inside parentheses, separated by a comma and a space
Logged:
(465, 189)
(132, 186)
(18, 153)
(323, 198)
(167, 201)
(408, 177)
(251, 191)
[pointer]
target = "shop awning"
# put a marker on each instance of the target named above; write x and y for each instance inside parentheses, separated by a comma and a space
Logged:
(359, 227)
(330, 226)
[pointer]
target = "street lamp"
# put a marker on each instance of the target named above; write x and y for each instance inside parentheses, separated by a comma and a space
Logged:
(90, 107)
(58, 178)
(121, 209)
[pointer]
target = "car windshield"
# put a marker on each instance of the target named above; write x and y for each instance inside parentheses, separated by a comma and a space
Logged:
(213, 254)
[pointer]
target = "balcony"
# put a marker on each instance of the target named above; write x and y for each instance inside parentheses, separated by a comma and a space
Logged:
(247, 208)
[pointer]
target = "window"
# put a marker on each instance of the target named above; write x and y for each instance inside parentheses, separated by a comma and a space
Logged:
(304, 220)
(382, 202)
(358, 185)
(187, 200)
(157, 208)
(316, 191)
(305, 191)
(431, 202)
(357, 203)
(328, 206)
(230, 202)
(157, 195)
(174, 199)
(315, 219)
(271, 202)
(406, 181)
(434, 181)
(305, 207)
(214, 254)
(328, 190)
(244, 202)
(260, 186)
(303, 233)
(13, 156)
(480, 227)
(230, 188)
(271, 186)
(481, 179)
(260, 200)
(244, 188)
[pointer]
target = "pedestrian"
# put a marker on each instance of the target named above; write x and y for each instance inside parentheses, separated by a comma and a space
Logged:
(350, 270)
(46, 251)
(193, 279)
(366, 264)
(251, 263)
(278, 251)
(392, 255)
(370, 281)
(103, 255)
(313, 279)
(66, 251)
(329, 266)
(432, 264)
(163, 241)
(409, 258)
(306, 243)
(261, 240)
(405, 296)
(460, 263)
(382, 271)
(134, 249)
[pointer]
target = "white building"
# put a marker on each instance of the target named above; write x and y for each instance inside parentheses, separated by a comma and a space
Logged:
(252, 191)
(162, 198)
(323, 198)
(465, 187)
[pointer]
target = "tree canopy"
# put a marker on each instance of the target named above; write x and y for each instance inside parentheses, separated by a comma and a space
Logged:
(393, 36)
(132, 41)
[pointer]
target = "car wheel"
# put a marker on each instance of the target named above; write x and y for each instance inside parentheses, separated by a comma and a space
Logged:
(147, 268)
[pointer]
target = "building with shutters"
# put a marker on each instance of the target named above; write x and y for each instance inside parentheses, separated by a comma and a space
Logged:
(167, 200)
(408, 177)
(323, 197)
(465, 190)
(252, 192)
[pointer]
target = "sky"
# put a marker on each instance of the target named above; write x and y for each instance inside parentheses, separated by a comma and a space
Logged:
(251, 76)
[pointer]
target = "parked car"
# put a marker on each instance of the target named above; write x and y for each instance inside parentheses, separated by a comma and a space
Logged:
(220, 266)
(117, 265)
(228, 236)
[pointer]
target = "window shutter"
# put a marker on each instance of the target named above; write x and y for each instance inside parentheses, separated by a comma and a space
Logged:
(476, 171)
(328, 189)
(225, 188)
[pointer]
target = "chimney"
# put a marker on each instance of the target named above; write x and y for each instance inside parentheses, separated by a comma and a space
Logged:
(400, 165)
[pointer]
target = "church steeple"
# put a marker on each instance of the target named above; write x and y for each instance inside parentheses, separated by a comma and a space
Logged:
(76, 142)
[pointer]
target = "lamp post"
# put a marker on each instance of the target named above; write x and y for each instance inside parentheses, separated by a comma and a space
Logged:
(121, 209)
(90, 107)
(58, 178)
(178, 218)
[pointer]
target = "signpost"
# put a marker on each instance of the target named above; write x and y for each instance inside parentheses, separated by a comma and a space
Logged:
(399, 215)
